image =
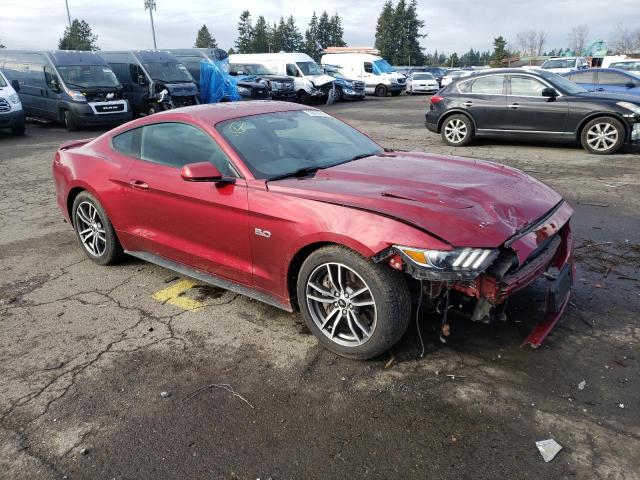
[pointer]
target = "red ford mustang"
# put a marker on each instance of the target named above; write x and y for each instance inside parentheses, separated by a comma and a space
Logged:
(290, 206)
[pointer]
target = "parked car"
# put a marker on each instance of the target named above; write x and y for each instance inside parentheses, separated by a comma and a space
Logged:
(153, 80)
(346, 89)
(631, 65)
(450, 75)
(280, 86)
(422, 83)
(292, 207)
(78, 89)
(309, 79)
(378, 76)
(565, 64)
(11, 114)
(606, 80)
(535, 103)
(437, 72)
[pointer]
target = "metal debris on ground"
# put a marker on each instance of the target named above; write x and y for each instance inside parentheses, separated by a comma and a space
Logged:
(582, 384)
(164, 394)
(548, 449)
(224, 386)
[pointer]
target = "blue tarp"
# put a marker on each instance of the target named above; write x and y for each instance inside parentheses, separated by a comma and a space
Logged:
(216, 84)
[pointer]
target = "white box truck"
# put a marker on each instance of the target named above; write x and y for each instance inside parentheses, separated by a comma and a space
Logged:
(309, 79)
(378, 76)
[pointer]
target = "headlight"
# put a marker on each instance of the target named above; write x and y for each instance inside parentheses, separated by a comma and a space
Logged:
(13, 98)
(630, 106)
(244, 91)
(77, 96)
(469, 260)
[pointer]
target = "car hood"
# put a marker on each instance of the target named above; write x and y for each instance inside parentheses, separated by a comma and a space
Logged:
(466, 202)
(614, 97)
(319, 80)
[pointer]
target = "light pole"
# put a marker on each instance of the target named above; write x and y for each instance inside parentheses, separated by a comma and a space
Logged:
(151, 6)
(66, 2)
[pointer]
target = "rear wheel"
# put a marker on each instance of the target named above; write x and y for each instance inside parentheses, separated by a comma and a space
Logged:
(94, 230)
(603, 136)
(381, 91)
(304, 97)
(457, 130)
(356, 308)
(70, 121)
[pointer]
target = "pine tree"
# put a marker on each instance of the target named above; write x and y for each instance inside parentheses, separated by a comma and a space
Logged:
(499, 51)
(260, 42)
(385, 41)
(291, 37)
(231, 51)
(277, 36)
(204, 39)
(311, 38)
(336, 31)
(244, 42)
(78, 37)
(324, 30)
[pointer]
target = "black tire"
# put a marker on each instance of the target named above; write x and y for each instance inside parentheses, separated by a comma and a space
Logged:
(112, 252)
(70, 121)
(607, 144)
(381, 91)
(389, 292)
(457, 130)
(339, 97)
(153, 108)
(304, 97)
(396, 94)
(18, 129)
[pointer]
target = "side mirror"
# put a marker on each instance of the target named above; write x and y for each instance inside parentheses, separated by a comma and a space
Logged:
(16, 85)
(204, 172)
(631, 85)
(55, 86)
(549, 92)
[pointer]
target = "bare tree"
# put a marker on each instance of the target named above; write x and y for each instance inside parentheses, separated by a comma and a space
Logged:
(541, 40)
(578, 39)
(531, 43)
(625, 41)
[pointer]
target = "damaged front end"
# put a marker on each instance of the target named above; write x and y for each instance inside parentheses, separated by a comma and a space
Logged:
(479, 281)
(174, 95)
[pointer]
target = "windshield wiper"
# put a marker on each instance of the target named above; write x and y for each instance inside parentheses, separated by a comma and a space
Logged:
(301, 172)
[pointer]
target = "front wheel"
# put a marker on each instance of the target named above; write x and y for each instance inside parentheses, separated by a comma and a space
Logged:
(603, 136)
(94, 230)
(457, 130)
(381, 91)
(18, 129)
(70, 121)
(304, 97)
(356, 308)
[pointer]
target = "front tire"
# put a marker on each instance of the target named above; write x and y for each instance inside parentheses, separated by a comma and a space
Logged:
(94, 230)
(381, 91)
(304, 97)
(70, 121)
(603, 136)
(18, 129)
(356, 308)
(457, 130)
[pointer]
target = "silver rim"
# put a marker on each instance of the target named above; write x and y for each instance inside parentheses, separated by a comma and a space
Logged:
(341, 304)
(602, 136)
(90, 228)
(455, 130)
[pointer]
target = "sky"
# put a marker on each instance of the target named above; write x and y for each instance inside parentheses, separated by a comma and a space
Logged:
(451, 25)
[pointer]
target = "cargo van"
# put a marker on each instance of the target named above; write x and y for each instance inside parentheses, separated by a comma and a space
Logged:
(153, 80)
(309, 79)
(11, 114)
(191, 58)
(76, 88)
(378, 76)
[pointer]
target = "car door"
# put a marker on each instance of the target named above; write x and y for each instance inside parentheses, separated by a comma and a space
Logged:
(617, 82)
(586, 79)
(200, 224)
(484, 99)
(52, 93)
(528, 110)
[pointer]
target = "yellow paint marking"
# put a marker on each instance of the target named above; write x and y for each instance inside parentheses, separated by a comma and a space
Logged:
(174, 295)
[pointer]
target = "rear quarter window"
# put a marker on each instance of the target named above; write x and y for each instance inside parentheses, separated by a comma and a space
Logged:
(128, 143)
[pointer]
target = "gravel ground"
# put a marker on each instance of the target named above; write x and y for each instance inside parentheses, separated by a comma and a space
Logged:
(96, 375)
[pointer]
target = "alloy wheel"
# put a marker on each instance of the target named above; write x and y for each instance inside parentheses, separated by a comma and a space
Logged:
(90, 228)
(455, 130)
(341, 304)
(602, 136)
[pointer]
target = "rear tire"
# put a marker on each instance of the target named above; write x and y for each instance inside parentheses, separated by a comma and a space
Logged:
(603, 136)
(355, 325)
(381, 91)
(70, 121)
(457, 130)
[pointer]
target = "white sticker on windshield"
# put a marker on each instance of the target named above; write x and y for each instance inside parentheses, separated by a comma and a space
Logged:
(316, 113)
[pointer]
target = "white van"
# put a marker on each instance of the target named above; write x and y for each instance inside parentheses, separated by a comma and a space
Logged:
(11, 114)
(378, 76)
(309, 79)
(562, 65)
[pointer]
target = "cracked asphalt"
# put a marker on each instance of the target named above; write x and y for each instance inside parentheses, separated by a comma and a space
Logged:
(86, 352)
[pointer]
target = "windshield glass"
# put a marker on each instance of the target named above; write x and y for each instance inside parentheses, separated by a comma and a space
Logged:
(626, 65)
(335, 74)
(88, 76)
(382, 66)
(560, 63)
(309, 68)
(168, 72)
(423, 76)
(562, 83)
(255, 69)
(277, 144)
(3, 83)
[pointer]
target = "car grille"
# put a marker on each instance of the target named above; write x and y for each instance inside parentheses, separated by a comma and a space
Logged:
(4, 105)
(402, 81)
(358, 86)
(260, 93)
(282, 86)
(118, 107)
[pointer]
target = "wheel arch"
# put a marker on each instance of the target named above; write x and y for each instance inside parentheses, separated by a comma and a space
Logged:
(456, 112)
(591, 116)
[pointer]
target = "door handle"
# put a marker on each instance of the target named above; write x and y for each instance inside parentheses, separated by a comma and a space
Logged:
(514, 106)
(138, 185)
(468, 103)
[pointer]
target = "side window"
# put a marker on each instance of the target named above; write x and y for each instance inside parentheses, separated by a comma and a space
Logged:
(368, 67)
(136, 73)
(465, 87)
(526, 87)
(177, 144)
(583, 77)
(489, 85)
(128, 143)
(50, 76)
(35, 76)
(611, 78)
(292, 71)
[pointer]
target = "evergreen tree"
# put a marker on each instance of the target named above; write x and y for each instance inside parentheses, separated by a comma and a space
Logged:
(291, 36)
(277, 36)
(311, 38)
(398, 33)
(204, 39)
(244, 42)
(78, 37)
(385, 36)
(231, 51)
(260, 42)
(499, 51)
(453, 60)
(336, 32)
(324, 30)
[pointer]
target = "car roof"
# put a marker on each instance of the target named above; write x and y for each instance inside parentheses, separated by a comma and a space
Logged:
(219, 112)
